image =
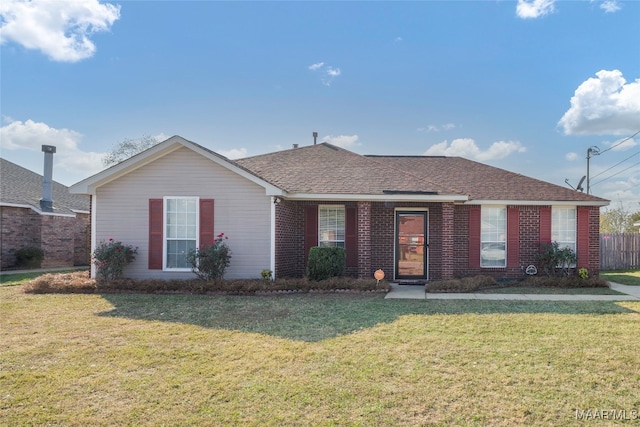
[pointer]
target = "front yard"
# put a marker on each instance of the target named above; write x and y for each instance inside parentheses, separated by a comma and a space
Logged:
(312, 359)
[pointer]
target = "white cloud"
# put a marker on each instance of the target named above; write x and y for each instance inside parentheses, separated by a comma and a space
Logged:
(572, 157)
(397, 39)
(604, 105)
(436, 128)
(234, 153)
(529, 9)
(610, 6)
(59, 29)
(344, 141)
(619, 145)
(623, 190)
(467, 147)
(20, 140)
(327, 72)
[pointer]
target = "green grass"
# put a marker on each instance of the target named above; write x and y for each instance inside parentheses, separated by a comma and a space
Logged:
(18, 278)
(550, 290)
(624, 277)
(8, 279)
(311, 359)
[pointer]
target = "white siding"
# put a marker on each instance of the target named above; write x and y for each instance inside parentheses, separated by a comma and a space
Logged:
(242, 211)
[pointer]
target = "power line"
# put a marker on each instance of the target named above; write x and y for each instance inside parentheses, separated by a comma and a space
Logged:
(620, 142)
(617, 173)
(608, 169)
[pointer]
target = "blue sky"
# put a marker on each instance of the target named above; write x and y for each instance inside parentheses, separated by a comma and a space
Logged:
(527, 86)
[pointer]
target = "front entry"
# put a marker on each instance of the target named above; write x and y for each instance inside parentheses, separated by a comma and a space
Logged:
(411, 245)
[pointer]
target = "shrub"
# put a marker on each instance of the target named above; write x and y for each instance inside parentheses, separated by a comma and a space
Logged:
(111, 258)
(325, 262)
(210, 261)
(29, 257)
(464, 284)
(556, 261)
(267, 276)
(564, 282)
(80, 282)
(583, 273)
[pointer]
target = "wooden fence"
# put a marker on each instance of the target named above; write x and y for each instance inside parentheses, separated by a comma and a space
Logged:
(620, 251)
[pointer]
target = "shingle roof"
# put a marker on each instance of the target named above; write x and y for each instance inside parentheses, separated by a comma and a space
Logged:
(20, 186)
(326, 169)
(484, 182)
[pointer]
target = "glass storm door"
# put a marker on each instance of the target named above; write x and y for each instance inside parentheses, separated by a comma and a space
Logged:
(411, 245)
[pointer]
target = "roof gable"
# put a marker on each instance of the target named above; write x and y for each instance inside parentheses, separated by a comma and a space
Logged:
(90, 184)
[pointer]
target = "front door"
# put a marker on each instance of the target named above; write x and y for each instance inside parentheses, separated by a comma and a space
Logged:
(411, 245)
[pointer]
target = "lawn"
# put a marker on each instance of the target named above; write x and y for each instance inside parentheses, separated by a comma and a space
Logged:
(312, 359)
(624, 277)
(19, 278)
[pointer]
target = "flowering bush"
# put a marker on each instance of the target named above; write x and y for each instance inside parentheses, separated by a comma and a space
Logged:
(210, 261)
(111, 257)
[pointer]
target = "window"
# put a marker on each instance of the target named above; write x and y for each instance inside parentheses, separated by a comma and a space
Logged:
(493, 235)
(181, 230)
(331, 220)
(563, 227)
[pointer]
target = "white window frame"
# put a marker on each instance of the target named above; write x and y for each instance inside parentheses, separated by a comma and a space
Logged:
(492, 224)
(165, 234)
(564, 227)
(341, 243)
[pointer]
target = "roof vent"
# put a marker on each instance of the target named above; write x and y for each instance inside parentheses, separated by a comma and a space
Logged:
(315, 137)
(295, 145)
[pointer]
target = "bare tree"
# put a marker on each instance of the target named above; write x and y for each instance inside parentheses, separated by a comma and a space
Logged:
(128, 148)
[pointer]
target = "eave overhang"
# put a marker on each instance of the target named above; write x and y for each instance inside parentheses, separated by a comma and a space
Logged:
(540, 202)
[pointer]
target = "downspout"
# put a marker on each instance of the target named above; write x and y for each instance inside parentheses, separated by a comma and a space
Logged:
(93, 233)
(272, 255)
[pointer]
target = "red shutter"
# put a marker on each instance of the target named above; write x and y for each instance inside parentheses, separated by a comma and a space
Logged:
(351, 235)
(155, 234)
(310, 229)
(513, 237)
(545, 225)
(474, 236)
(206, 222)
(582, 249)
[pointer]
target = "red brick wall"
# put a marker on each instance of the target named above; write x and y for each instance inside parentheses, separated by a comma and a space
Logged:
(20, 228)
(290, 253)
(364, 240)
(64, 240)
(448, 227)
(289, 239)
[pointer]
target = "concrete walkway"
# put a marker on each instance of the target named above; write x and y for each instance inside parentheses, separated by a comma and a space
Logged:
(631, 293)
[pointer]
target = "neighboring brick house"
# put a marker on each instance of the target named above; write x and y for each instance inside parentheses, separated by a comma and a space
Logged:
(417, 218)
(62, 231)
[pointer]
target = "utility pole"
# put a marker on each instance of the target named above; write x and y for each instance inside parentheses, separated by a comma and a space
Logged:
(593, 150)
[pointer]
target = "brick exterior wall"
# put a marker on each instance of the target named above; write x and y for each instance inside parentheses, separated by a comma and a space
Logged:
(364, 240)
(448, 239)
(64, 240)
(594, 240)
(289, 239)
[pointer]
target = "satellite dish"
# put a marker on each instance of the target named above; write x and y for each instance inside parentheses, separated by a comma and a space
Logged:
(579, 186)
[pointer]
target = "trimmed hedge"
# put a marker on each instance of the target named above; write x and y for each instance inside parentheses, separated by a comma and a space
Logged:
(325, 262)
